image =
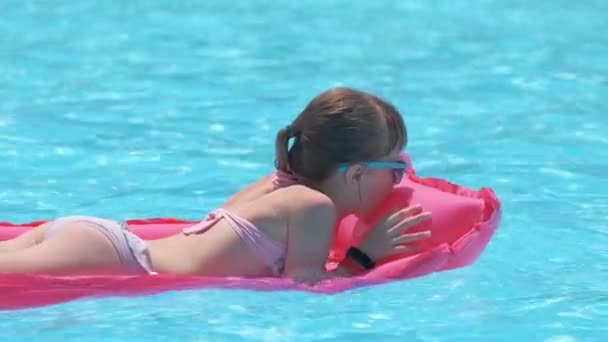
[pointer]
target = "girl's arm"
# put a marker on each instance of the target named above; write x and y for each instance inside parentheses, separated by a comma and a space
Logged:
(311, 232)
(251, 192)
(310, 235)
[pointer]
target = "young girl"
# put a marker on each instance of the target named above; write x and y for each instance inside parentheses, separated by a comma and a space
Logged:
(345, 158)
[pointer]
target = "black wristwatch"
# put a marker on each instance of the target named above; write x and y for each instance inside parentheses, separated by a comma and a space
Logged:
(362, 259)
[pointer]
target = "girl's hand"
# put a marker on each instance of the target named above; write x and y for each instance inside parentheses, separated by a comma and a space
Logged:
(386, 236)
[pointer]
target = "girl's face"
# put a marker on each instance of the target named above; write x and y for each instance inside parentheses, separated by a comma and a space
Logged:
(370, 182)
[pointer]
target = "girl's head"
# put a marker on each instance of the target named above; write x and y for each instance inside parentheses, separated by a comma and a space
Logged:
(347, 143)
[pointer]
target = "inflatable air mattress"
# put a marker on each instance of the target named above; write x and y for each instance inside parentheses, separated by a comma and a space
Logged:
(463, 222)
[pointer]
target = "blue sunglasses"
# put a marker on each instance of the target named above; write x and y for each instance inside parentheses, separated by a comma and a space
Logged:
(397, 168)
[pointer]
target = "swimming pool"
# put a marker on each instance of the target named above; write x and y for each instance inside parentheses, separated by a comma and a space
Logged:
(136, 110)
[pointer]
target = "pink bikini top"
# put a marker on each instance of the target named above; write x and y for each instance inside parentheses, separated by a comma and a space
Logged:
(271, 251)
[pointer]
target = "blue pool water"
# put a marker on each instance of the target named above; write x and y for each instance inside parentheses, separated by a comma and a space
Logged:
(147, 109)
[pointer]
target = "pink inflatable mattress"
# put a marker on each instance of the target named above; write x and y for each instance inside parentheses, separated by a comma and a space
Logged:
(463, 222)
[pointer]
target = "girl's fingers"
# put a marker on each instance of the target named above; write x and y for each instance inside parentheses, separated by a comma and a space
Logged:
(405, 249)
(407, 238)
(401, 214)
(400, 227)
(387, 217)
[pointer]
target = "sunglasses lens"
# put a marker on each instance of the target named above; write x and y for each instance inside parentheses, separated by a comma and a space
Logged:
(398, 174)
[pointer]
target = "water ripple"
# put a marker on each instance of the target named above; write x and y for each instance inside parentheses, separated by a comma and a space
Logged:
(144, 109)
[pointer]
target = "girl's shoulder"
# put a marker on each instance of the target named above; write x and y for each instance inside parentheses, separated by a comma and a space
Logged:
(296, 202)
(305, 204)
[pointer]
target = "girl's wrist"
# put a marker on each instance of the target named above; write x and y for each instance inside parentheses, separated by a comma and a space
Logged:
(360, 257)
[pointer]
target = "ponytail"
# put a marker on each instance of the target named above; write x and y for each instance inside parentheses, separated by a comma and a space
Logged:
(281, 148)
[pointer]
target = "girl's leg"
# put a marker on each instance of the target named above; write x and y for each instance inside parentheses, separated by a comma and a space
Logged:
(78, 248)
(25, 240)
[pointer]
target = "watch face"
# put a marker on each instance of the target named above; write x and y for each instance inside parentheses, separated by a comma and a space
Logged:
(360, 258)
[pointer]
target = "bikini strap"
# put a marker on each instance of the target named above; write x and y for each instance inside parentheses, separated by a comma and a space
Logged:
(205, 224)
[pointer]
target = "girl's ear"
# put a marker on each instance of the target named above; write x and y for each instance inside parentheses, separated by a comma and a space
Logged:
(353, 173)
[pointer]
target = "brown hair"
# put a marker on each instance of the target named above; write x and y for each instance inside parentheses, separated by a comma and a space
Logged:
(340, 125)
